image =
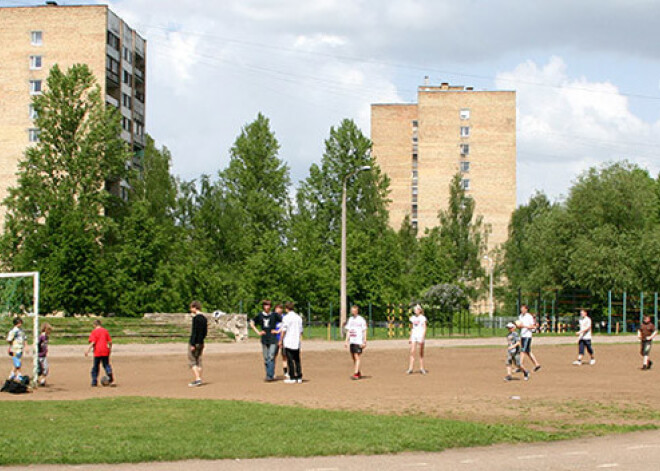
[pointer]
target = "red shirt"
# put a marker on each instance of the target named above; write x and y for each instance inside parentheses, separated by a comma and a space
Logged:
(100, 338)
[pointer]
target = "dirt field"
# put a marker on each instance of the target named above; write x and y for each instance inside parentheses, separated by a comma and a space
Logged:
(463, 383)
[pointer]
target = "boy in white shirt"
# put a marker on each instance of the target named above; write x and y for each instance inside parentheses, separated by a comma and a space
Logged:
(292, 330)
(584, 339)
(17, 347)
(417, 337)
(356, 339)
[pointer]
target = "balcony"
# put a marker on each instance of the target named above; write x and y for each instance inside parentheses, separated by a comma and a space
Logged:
(110, 100)
(112, 77)
(139, 139)
(139, 74)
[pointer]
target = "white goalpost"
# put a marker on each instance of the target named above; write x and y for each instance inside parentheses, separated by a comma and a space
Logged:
(34, 314)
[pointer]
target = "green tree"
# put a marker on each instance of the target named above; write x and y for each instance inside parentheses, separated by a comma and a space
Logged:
(56, 218)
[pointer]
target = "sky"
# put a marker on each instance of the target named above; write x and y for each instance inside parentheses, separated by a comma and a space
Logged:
(586, 73)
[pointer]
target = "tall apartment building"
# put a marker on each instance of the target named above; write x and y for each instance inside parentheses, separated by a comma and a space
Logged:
(450, 130)
(35, 38)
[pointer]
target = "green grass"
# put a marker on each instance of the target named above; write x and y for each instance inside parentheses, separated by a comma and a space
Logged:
(148, 429)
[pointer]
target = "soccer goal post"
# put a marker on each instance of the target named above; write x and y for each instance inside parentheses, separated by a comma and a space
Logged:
(34, 314)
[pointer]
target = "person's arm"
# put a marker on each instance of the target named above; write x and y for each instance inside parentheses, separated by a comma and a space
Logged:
(89, 348)
(364, 338)
(652, 336)
(348, 334)
(424, 330)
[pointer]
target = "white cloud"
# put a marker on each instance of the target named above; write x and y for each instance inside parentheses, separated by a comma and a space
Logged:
(570, 124)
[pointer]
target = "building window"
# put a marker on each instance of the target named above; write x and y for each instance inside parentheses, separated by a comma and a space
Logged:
(414, 211)
(33, 135)
(465, 166)
(465, 113)
(113, 41)
(35, 87)
(35, 62)
(32, 113)
(465, 183)
(465, 131)
(126, 123)
(36, 38)
(128, 55)
(126, 100)
(138, 128)
(465, 149)
(127, 79)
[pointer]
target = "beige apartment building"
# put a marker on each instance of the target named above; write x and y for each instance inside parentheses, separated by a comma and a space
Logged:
(450, 130)
(33, 39)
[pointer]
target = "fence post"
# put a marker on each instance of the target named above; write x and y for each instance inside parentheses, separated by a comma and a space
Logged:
(330, 322)
(641, 307)
(609, 312)
(371, 320)
(309, 320)
(625, 327)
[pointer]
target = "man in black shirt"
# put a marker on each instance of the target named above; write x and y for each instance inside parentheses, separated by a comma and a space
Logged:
(196, 343)
(265, 325)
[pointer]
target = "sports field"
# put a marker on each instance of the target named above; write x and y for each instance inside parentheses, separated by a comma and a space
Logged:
(464, 383)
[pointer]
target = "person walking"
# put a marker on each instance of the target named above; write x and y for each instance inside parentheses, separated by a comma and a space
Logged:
(527, 326)
(196, 344)
(292, 330)
(356, 339)
(101, 342)
(584, 339)
(265, 326)
(646, 334)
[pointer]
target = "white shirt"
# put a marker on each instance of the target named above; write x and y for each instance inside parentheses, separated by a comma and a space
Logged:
(292, 328)
(356, 327)
(418, 326)
(528, 324)
(585, 325)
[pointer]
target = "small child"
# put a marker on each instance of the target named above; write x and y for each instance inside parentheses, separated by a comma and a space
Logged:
(17, 346)
(356, 339)
(417, 337)
(513, 352)
(43, 353)
(646, 334)
(101, 343)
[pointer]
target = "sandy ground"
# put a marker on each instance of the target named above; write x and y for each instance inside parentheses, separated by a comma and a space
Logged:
(462, 382)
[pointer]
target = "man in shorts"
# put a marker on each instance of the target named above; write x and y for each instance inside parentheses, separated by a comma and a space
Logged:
(356, 339)
(584, 339)
(513, 352)
(196, 343)
(528, 324)
(17, 346)
(646, 334)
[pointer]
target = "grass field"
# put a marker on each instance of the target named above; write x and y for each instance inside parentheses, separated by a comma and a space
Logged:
(131, 429)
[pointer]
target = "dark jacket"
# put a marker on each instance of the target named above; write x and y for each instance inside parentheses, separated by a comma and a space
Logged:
(199, 330)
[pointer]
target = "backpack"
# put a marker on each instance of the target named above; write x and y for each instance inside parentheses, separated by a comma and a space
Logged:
(14, 387)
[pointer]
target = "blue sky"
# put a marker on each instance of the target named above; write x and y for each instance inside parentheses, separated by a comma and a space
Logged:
(587, 74)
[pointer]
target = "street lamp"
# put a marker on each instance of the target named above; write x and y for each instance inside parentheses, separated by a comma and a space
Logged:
(342, 295)
(490, 296)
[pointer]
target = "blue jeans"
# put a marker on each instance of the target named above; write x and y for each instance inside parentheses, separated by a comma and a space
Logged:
(269, 351)
(106, 366)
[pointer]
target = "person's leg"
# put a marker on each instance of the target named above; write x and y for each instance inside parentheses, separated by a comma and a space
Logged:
(264, 352)
(421, 358)
(590, 350)
(358, 360)
(298, 365)
(107, 367)
(645, 357)
(285, 364)
(288, 353)
(95, 370)
(270, 360)
(411, 363)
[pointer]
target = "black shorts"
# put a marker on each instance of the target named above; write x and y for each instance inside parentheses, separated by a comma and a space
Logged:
(355, 348)
(526, 345)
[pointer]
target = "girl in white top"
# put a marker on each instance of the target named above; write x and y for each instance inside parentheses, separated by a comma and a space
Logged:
(417, 337)
(356, 339)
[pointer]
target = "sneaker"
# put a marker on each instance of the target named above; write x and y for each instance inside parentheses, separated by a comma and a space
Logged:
(526, 378)
(537, 367)
(42, 382)
(592, 362)
(93, 385)
(290, 381)
(650, 365)
(355, 376)
(286, 376)
(508, 378)
(299, 381)
(423, 371)
(359, 373)
(577, 362)
(518, 370)
(409, 372)
(194, 384)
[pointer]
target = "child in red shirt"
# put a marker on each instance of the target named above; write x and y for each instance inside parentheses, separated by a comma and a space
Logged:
(101, 342)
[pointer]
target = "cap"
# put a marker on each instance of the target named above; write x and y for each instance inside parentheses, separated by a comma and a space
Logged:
(510, 325)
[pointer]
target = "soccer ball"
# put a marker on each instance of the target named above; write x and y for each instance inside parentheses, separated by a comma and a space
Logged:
(105, 381)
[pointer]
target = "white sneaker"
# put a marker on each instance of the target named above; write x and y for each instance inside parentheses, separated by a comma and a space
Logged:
(577, 362)
(409, 372)
(289, 381)
(423, 371)
(299, 381)
(592, 362)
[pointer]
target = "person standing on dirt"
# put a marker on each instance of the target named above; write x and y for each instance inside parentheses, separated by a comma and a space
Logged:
(265, 326)
(196, 343)
(356, 339)
(17, 346)
(584, 339)
(528, 324)
(101, 342)
(646, 334)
